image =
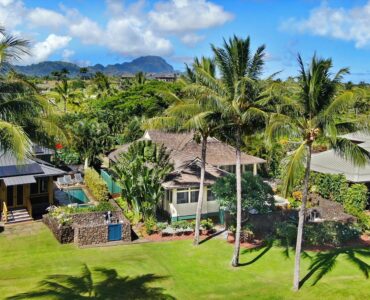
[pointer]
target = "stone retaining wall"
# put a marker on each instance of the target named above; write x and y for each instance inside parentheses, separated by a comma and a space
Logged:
(64, 234)
(88, 228)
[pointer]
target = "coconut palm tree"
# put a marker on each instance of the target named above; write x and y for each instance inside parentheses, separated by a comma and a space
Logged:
(194, 113)
(66, 94)
(24, 113)
(321, 111)
(240, 95)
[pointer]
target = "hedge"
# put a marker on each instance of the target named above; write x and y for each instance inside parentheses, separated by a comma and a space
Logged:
(96, 185)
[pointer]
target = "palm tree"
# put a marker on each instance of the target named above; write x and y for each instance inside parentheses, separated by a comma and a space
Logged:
(321, 111)
(12, 48)
(65, 94)
(24, 113)
(240, 95)
(196, 113)
(102, 85)
(83, 72)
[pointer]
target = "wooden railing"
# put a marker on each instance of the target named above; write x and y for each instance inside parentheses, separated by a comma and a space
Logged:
(29, 206)
(5, 212)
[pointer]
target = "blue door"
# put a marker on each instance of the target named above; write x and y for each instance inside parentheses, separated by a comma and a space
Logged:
(114, 232)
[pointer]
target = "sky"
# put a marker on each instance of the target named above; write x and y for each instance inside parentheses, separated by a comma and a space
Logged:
(88, 32)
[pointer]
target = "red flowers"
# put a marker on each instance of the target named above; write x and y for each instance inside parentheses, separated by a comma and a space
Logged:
(59, 146)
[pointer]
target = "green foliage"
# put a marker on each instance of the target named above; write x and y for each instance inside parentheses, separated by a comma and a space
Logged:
(255, 193)
(356, 197)
(150, 224)
(67, 156)
(180, 225)
(162, 226)
(96, 185)
(139, 173)
(206, 224)
(329, 186)
(318, 234)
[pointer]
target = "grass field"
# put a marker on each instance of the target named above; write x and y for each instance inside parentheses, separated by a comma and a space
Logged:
(29, 255)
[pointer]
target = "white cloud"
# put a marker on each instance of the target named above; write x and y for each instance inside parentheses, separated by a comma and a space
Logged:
(43, 50)
(39, 17)
(183, 16)
(191, 39)
(67, 54)
(339, 23)
(11, 13)
(130, 30)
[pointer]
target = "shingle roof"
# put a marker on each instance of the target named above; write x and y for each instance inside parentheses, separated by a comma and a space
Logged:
(183, 148)
(188, 175)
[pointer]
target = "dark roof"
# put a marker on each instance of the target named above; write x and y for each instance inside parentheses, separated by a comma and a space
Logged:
(188, 175)
(15, 172)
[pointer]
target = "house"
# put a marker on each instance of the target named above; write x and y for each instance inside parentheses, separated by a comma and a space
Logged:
(26, 187)
(182, 184)
(329, 162)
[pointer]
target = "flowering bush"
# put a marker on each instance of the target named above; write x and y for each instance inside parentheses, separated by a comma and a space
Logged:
(61, 214)
(297, 195)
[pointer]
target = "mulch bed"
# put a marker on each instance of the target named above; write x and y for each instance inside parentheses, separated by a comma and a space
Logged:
(248, 245)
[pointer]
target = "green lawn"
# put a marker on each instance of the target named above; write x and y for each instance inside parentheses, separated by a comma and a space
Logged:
(29, 256)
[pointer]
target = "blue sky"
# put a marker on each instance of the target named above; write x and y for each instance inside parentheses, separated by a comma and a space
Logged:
(113, 31)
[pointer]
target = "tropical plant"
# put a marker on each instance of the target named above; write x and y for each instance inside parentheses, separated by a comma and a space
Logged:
(96, 185)
(140, 172)
(240, 97)
(66, 94)
(321, 111)
(24, 113)
(196, 113)
(256, 194)
(102, 85)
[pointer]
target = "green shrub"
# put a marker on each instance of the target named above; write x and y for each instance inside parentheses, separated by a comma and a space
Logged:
(131, 215)
(326, 233)
(96, 185)
(102, 207)
(162, 226)
(150, 225)
(356, 197)
(329, 186)
(206, 224)
(180, 224)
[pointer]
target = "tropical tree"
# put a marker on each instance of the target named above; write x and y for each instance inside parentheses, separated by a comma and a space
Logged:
(102, 86)
(241, 97)
(24, 113)
(140, 172)
(196, 113)
(83, 73)
(66, 94)
(322, 109)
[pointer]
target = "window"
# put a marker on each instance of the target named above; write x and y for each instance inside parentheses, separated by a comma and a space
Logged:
(182, 196)
(194, 196)
(40, 187)
(210, 195)
(43, 185)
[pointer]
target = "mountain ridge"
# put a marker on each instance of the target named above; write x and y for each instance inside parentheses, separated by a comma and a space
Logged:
(146, 64)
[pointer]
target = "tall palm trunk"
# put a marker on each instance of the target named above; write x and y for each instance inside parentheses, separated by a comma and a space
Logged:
(235, 260)
(201, 191)
(302, 213)
(65, 105)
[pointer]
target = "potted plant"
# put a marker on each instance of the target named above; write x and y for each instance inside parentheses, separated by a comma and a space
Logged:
(206, 226)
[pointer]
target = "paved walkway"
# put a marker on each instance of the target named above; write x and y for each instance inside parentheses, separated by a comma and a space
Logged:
(22, 229)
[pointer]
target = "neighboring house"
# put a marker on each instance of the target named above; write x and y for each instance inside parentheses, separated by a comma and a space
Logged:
(182, 184)
(26, 188)
(329, 162)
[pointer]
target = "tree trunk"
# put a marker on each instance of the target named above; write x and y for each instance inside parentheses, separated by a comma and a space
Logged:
(235, 260)
(86, 163)
(65, 105)
(201, 191)
(302, 213)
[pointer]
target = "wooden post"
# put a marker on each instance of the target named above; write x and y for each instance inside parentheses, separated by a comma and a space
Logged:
(51, 190)
(255, 169)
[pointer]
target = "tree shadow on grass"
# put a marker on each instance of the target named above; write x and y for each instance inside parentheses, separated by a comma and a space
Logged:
(212, 236)
(265, 248)
(322, 263)
(111, 286)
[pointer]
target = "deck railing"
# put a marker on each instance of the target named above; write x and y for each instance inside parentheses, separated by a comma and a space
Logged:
(5, 212)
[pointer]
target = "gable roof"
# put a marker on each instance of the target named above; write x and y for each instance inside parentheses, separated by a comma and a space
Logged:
(188, 175)
(184, 149)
